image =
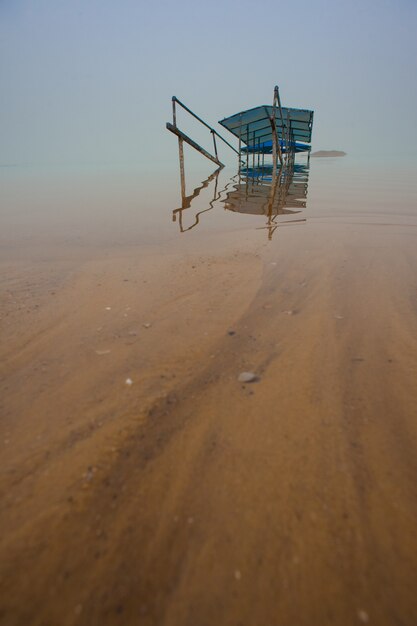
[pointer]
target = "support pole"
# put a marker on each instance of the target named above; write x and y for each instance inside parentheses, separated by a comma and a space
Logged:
(214, 142)
(278, 100)
(288, 139)
(276, 148)
(240, 144)
(192, 143)
(174, 113)
(247, 149)
(182, 174)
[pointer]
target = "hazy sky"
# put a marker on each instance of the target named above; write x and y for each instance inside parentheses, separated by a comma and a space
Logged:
(91, 81)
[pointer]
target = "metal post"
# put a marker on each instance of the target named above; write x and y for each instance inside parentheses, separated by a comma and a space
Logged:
(274, 151)
(182, 174)
(193, 144)
(278, 100)
(247, 149)
(287, 139)
(214, 142)
(276, 148)
(240, 143)
(174, 113)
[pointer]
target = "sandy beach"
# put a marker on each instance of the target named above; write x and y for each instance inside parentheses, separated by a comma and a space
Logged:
(142, 483)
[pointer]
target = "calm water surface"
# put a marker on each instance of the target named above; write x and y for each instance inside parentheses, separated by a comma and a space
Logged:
(128, 206)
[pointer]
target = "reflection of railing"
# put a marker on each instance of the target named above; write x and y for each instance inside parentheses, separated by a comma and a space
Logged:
(187, 200)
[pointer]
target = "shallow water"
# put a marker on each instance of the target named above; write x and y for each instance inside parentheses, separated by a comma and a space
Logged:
(130, 206)
(185, 496)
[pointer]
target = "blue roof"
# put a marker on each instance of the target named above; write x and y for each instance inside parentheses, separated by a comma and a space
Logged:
(254, 125)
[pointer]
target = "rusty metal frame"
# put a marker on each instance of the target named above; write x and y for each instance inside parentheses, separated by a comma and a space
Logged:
(173, 128)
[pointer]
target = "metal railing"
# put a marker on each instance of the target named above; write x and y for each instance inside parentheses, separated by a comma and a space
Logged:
(212, 130)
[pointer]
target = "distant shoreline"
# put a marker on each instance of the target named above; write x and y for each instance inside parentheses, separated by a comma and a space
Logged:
(328, 153)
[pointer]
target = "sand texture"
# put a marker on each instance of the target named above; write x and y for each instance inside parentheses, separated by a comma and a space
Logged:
(143, 484)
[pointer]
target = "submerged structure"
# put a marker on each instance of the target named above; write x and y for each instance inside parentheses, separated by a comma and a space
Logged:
(264, 130)
(271, 189)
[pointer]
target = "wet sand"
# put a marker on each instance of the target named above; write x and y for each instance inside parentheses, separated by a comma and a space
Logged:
(187, 498)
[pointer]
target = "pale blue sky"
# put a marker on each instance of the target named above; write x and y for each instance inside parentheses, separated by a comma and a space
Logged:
(92, 81)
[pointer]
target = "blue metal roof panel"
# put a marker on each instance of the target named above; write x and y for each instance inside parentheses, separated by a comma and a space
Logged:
(254, 124)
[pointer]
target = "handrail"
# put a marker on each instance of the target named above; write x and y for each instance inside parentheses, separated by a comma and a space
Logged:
(183, 137)
(212, 130)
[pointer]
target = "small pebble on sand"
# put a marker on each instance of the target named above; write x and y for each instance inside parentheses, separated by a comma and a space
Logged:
(247, 377)
(363, 616)
(108, 308)
(129, 381)
(147, 325)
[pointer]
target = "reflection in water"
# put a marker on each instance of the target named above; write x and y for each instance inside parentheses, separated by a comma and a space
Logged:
(255, 191)
(187, 200)
(260, 191)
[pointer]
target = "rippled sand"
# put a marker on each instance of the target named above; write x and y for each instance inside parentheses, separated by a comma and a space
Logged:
(143, 484)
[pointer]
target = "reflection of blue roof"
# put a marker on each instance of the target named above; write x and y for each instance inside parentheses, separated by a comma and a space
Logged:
(266, 147)
(254, 125)
(264, 173)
